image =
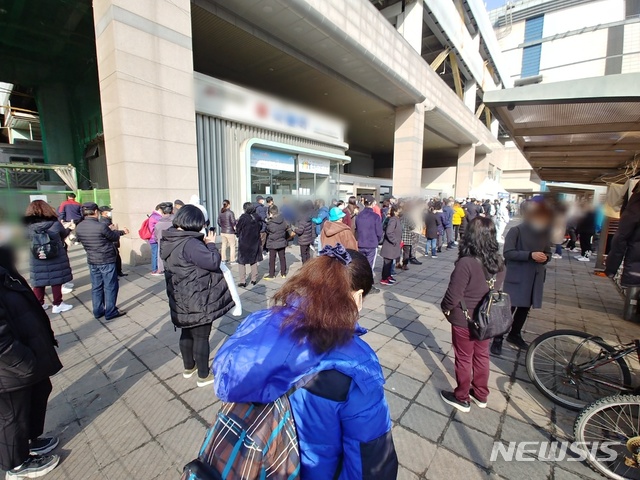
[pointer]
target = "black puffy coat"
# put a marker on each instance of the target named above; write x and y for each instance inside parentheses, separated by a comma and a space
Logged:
(305, 230)
(198, 293)
(626, 245)
(27, 343)
(248, 232)
(52, 271)
(227, 222)
(392, 239)
(277, 233)
(98, 241)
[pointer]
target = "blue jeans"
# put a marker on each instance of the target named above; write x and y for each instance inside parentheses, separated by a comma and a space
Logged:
(104, 290)
(154, 257)
(433, 242)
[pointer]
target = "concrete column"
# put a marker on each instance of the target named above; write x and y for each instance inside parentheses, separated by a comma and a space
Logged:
(408, 150)
(464, 172)
(145, 69)
(470, 92)
(409, 24)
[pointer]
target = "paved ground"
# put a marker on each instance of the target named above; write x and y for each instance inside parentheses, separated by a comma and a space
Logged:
(123, 410)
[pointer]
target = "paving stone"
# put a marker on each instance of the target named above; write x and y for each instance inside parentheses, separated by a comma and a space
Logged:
(469, 443)
(425, 422)
(449, 465)
(403, 385)
(485, 420)
(397, 405)
(414, 452)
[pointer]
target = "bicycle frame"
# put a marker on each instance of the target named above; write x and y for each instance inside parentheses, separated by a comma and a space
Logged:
(604, 358)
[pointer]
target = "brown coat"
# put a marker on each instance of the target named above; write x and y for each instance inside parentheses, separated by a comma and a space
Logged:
(338, 232)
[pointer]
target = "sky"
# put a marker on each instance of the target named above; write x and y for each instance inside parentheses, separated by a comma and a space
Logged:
(491, 4)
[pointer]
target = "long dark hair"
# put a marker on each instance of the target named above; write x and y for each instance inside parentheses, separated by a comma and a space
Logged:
(225, 206)
(480, 241)
(326, 313)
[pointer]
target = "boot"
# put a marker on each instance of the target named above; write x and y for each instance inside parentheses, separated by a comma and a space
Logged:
(496, 346)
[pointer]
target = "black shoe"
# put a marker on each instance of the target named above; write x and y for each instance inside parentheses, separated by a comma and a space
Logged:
(451, 399)
(35, 466)
(43, 445)
(122, 274)
(415, 261)
(254, 283)
(496, 346)
(242, 285)
(517, 341)
(440, 250)
(121, 313)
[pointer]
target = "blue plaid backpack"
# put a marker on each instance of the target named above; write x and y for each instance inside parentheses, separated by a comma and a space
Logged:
(249, 441)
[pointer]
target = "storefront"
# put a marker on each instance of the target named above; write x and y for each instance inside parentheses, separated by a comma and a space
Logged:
(251, 144)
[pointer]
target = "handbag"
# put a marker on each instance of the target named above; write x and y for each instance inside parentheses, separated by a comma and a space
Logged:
(493, 316)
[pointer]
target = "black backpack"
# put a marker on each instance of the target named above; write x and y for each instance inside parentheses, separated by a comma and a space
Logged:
(42, 246)
(493, 316)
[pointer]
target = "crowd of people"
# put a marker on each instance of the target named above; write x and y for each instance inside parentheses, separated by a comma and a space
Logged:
(303, 346)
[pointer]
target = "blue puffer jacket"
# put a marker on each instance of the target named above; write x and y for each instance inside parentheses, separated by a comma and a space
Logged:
(341, 414)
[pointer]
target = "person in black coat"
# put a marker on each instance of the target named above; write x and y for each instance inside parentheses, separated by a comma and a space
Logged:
(248, 230)
(53, 271)
(305, 231)
(391, 250)
(197, 290)
(625, 244)
(277, 240)
(27, 360)
(526, 251)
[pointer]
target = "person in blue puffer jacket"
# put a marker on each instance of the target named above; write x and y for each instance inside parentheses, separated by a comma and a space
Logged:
(341, 414)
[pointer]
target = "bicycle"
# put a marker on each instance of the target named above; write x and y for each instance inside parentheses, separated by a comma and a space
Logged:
(608, 433)
(574, 368)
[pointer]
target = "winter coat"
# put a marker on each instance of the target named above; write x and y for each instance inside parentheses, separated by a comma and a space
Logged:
(227, 222)
(587, 224)
(198, 293)
(469, 283)
(458, 215)
(27, 343)
(163, 224)
(153, 219)
(53, 271)
(341, 414)
(277, 233)
(368, 229)
(108, 222)
(525, 277)
(338, 232)
(98, 241)
(323, 215)
(350, 212)
(305, 230)
(431, 223)
(70, 211)
(248, 232)
(392, 238)
(262, 211)
(439, 223)
(626, 245)
(447, 216)
(472, 210)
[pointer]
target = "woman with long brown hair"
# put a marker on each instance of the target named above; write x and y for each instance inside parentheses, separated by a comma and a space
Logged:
(310, 339)
(49, 262)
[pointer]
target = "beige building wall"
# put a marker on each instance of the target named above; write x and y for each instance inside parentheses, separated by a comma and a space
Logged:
(408, 151)
(145, 68)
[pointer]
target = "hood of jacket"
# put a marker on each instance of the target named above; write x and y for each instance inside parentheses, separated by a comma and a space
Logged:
(31, 220)
(335, 228)
(260, 362)
(278, 219)
(173, 238)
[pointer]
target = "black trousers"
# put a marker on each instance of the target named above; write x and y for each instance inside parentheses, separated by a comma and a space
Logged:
(456, 232)
(194, 347)
(386, 267)
(520, 315)
(572, 239)
(119, 264)
(585, 241)
(305, 252)
(281, 252)
(406, 254)
(22, 415)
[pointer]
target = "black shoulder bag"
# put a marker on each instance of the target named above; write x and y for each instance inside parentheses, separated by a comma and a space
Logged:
(493, 316)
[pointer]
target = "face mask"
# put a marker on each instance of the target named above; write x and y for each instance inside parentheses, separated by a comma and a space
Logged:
(108, 214)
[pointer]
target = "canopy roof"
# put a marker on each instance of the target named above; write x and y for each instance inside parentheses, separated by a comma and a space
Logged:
(585, 130)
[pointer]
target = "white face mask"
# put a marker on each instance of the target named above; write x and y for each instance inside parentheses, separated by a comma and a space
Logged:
(108, 214)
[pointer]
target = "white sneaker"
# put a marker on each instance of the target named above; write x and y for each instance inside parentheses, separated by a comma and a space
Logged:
(583, 259)
(69, 285)
(578, 257)
(63, 307)
(556, 256)
(66, 290)
(45, 306)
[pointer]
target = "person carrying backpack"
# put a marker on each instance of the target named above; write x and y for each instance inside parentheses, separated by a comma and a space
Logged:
(49, 263)
(306, 353)
(478, 258)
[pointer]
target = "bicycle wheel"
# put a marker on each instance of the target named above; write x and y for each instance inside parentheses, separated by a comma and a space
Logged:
(553, 361)
(608, 432)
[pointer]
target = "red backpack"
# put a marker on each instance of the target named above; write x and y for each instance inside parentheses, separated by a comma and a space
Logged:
(145, 231)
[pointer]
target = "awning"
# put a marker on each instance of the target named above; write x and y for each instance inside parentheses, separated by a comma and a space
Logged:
(582, 131)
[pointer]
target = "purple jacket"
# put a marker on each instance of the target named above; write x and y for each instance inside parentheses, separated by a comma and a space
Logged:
(153, 219)
(368, 229)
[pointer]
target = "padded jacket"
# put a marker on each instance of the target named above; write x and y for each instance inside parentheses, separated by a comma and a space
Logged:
(305, 230)
(277, 233)
(27, 343)
(53, 271)
(98, 241)
(227, 222)
(341, 414)
(198, 293)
